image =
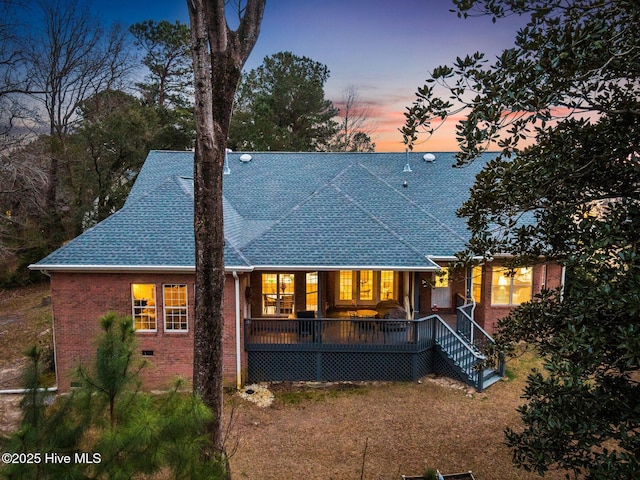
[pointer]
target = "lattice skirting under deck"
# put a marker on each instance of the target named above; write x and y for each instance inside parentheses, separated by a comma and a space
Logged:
(267, 366)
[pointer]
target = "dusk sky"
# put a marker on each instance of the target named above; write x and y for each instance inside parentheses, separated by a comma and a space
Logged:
(384, 48)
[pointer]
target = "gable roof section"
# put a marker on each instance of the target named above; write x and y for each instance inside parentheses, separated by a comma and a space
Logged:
(287, 211)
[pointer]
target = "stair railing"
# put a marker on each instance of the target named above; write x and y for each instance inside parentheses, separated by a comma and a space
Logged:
(458, 350)
(478, 337)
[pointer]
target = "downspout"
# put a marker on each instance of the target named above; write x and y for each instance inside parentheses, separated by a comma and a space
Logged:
(406, 293)
(238, 333)
(562, 280)
(21, 391)
(470, 293)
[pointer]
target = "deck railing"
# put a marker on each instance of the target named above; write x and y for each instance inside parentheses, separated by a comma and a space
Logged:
(341, 333)
(337, 349)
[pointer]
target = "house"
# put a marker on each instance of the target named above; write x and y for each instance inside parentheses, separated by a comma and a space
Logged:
(336, 270)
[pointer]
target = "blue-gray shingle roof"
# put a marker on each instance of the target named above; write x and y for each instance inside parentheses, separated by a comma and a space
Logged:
(287, 210)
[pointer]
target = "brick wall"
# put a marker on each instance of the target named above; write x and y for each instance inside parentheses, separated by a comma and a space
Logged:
(80, 299)
(487, 315)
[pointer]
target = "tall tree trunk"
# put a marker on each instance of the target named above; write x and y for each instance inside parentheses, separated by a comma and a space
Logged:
(218, 55)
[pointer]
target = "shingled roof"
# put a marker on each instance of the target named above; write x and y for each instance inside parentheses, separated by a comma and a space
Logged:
(316, 211)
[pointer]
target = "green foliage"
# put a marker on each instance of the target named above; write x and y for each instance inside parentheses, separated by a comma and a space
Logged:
(167, 48)
(431, 474)
(136, 435)
(563, 107)
(280, 106)
(115, 135)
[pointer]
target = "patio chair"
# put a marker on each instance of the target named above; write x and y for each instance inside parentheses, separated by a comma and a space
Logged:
(364, 326)
(305, 323)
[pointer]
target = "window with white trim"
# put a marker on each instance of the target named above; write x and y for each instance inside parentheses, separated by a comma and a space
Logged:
(511, 286)
(174, 300)
(143, 304)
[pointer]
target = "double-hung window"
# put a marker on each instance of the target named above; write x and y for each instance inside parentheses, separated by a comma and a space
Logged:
(175, 308)
(511, 287)
(143, 301)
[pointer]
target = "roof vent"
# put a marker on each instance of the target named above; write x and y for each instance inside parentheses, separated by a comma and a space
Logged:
(429, 157)
(226, 170)
(407, 167)
(245, 158)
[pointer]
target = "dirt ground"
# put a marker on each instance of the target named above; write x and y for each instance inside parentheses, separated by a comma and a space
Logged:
(347, 431)
(378, 431)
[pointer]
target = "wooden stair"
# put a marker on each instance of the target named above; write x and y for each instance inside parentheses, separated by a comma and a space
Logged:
(463, 357)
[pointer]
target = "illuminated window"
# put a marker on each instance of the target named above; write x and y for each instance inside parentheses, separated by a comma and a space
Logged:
(510, 287)
(175, 308)
(387, 284)
(345, 285)
(365, 286)
(442, 279)
(312, 291)
(476, 283)
(277, 293)
(143, 300)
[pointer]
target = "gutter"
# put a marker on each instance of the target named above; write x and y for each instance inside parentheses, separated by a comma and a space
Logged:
(128, 268)
(238, 332)
(332, 268)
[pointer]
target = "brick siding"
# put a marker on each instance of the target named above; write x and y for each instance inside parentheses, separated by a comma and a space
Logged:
(80, 299)
(488, 315)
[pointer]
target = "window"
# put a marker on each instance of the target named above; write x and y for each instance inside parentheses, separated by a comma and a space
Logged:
(510, 287)
(143, 300)
(174, 300)
(441, 279)
(345, 285)
(277, 293)
(387, 284)
(312, 291)
(365, 286)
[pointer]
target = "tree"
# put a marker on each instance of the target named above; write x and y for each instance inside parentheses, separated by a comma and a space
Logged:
(219, 54)
(281, 106)
(355, 129)
(70, 59)
(168, 58)
(563, 107)
(23, 186)
(125, 432)
(109, 146)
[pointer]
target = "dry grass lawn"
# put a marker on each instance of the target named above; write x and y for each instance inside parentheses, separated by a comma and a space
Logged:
(342, 431)
(379, 431)
(25, 320)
